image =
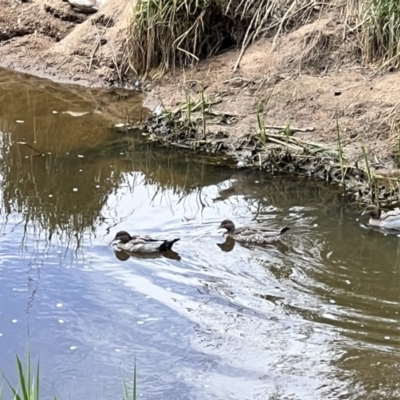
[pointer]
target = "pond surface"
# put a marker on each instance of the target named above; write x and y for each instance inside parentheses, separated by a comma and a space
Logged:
(315, 316)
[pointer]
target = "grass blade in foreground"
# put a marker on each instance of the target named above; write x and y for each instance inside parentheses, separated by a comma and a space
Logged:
(127, 395)
(29, 390)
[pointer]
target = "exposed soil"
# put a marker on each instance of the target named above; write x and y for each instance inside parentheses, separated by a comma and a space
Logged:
(49, 39)
(311, 77)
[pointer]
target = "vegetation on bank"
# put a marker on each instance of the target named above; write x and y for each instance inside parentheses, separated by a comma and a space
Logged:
(164, 34)
(29, 381)
(273, 148)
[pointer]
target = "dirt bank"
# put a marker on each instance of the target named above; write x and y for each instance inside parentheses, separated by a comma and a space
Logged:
(49, 39)
(312, 78)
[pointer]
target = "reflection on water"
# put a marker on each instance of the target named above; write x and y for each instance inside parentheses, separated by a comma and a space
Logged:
(313, 316)
(124, 255)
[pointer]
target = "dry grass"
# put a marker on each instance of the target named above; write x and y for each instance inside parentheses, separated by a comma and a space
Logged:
(164, 34)
(317, 48)
(377, 27)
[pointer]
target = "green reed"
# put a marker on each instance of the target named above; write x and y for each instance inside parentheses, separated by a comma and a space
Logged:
(29, 381)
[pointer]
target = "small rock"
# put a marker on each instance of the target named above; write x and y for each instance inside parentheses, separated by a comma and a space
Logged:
(337, 92)
(84, 6)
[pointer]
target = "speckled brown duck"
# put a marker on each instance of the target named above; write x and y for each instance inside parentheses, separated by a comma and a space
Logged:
(254, 234)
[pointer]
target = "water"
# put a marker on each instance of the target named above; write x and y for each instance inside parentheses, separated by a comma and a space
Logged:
(313, 317)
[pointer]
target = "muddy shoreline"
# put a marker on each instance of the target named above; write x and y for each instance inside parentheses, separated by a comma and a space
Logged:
(252, 153)
(49, 39)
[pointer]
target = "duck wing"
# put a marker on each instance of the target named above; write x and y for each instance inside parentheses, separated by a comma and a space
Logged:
(392, 213)
(258, 235)
(391, 219)
(143, 239)
(273, 232)
(260, 231)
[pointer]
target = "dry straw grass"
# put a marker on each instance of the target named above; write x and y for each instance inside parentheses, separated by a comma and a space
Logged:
(376, 24)
(164, 33)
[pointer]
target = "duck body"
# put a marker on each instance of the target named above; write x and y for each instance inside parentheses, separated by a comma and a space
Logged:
(141, 244)
(384, 220)
(251, 235)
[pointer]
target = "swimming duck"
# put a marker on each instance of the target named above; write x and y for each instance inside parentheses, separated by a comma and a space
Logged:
(141, 244)
(381, 219)
(256, 235)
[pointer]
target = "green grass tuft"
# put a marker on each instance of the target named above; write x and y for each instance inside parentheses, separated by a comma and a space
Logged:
(28, 387)
(380, 31)
(29, 381)
(130, 394)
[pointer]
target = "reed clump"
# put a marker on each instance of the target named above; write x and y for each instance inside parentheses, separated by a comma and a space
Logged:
(164, 34)
(377, 23)
(30, 382)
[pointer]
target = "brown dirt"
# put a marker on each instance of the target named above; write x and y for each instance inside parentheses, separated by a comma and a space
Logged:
(311, 75)
(47, 38)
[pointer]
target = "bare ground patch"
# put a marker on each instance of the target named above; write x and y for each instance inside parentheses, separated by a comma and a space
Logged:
(49, 39)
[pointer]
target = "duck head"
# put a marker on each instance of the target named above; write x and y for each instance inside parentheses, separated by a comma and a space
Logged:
(121, 237)
(228, 225)
(373, 211)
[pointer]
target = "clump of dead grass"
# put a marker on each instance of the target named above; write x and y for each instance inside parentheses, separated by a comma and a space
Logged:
(163, 33)
(377, 26)
(318, 47)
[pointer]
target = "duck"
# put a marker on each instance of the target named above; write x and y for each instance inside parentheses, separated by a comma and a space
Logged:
(141, 244)
(384, 220)
(255, 235)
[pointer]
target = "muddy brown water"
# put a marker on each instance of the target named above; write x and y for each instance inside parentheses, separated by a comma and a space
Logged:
(315, 316)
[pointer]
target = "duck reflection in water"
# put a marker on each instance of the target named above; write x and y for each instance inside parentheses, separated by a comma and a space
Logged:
(123, 255)
(228, 245)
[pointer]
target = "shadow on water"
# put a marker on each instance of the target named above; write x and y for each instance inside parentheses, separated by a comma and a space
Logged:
(315, 315)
